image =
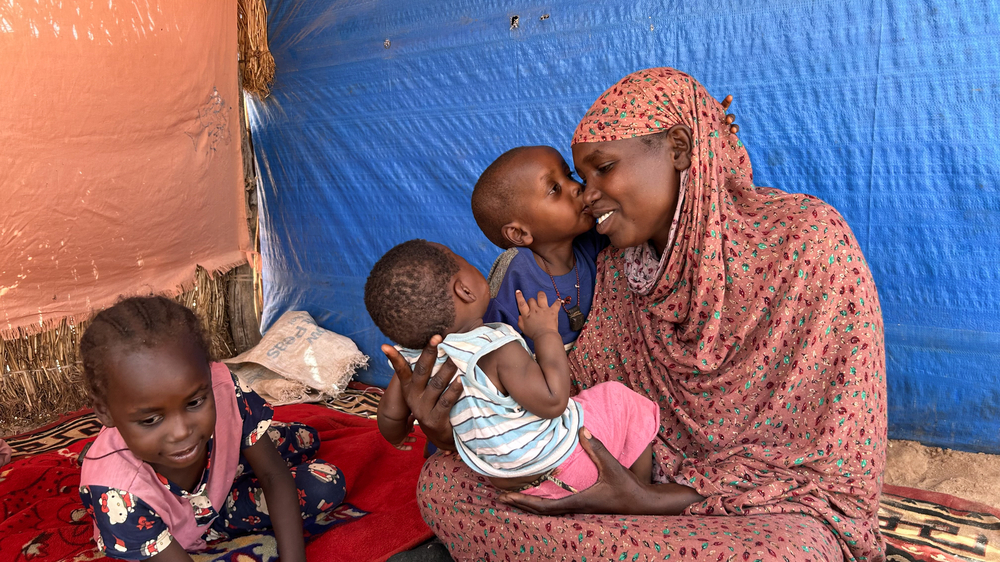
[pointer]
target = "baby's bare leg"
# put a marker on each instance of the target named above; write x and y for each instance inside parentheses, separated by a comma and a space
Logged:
(643, 466)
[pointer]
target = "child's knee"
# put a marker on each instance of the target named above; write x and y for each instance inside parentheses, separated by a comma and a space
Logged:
(321, 486)
(306, 439)
(296, 442)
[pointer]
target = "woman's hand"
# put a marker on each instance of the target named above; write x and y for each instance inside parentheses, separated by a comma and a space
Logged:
(429, 398)
(616, 491)
(733, 127)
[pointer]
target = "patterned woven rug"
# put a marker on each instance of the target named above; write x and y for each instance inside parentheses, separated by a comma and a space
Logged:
(58, 435)
(356, 400)
(918, 526)
(930, 527)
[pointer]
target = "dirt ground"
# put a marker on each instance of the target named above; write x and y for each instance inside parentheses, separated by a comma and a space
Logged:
(970, 476)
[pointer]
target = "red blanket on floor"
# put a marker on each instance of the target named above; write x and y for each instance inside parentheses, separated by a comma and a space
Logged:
(42, 519)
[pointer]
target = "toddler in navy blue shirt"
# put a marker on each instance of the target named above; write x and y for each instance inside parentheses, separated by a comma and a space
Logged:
(528, 203)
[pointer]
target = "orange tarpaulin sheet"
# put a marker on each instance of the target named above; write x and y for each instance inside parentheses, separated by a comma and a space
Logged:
(120, 164)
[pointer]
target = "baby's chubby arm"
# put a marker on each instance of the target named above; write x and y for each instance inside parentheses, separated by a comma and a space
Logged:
(395, 420)
(541, 388)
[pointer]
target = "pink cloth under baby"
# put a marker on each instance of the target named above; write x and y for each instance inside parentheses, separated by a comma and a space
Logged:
(624, 421)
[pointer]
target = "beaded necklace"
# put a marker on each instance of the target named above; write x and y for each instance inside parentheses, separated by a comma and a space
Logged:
(576, 318)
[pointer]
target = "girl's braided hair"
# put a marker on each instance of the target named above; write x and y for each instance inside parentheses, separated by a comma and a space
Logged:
(134, 323)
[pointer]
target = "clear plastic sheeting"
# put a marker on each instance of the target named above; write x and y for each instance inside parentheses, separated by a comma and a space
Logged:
(384, 113)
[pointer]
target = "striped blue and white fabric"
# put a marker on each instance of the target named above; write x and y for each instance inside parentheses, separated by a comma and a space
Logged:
(494, 435)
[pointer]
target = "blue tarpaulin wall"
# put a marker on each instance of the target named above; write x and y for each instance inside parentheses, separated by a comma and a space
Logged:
(385, 112)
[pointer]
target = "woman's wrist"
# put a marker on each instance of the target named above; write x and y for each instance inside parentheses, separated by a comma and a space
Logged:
(444, 440)
(667, 499)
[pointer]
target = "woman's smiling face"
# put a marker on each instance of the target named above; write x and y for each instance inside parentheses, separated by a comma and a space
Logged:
(632, 186)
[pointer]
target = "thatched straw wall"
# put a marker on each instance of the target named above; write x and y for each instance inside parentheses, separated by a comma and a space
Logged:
(40, 375)
(257, 63)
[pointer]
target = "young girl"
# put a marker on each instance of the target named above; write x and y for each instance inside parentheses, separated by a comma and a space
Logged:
(187, 455)
(515, 421)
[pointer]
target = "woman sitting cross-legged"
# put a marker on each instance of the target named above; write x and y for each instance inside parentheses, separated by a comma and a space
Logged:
(748, 314)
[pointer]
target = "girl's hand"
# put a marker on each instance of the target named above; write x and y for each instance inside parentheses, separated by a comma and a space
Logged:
(173, 553)
(733, 127)
(537, 317)
(616, 491)
(429, 398)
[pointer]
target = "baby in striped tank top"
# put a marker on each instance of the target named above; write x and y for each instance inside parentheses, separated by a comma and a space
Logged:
(515, 421)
